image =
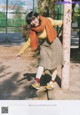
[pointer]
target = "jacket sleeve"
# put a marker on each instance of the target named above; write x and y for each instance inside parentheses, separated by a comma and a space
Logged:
(25, 46)
(56, 22)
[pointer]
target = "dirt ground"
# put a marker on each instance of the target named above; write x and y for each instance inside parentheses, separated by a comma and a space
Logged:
(12, 70)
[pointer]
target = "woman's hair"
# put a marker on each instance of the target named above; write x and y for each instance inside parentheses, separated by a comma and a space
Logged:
(30, 16)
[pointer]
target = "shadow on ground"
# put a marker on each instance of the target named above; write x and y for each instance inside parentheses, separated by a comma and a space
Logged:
(8, 86)
(13, 89)
(10, 89)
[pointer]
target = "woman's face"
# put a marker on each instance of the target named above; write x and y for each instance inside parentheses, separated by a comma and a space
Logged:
(35, 22)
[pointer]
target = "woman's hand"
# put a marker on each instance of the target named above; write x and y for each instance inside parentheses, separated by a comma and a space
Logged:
(18, 56)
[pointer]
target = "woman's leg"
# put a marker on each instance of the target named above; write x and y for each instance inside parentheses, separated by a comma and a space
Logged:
(51, 84)
(36, 83)
(40, 71)
(54, 74)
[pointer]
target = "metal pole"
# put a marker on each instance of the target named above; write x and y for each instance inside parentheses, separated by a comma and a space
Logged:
(33, 5)
(66, 43)
(6, 15)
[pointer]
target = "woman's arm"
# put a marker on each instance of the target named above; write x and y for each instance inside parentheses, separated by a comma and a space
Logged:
(25, 46)
(56, 22)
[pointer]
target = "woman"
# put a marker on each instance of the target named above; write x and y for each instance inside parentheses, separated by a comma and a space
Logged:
(44, 37)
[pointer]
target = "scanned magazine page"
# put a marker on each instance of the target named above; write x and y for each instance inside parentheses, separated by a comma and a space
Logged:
(40, 57)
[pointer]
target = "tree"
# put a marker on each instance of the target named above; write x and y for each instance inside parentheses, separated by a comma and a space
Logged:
(46, 7)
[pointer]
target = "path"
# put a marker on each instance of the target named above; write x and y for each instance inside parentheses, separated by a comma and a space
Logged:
(12, 70)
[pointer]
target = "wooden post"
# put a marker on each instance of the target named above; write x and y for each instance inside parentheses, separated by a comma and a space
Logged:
(66, 43)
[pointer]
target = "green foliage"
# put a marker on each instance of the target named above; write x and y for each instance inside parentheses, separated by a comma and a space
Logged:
(76, 16)
(2, 15)
(50, 8)
(59, 11)
(16, 22)
(2, 19)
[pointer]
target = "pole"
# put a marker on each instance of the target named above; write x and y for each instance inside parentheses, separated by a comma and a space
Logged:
(33, 5)
(6, 15)
(66, 43)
